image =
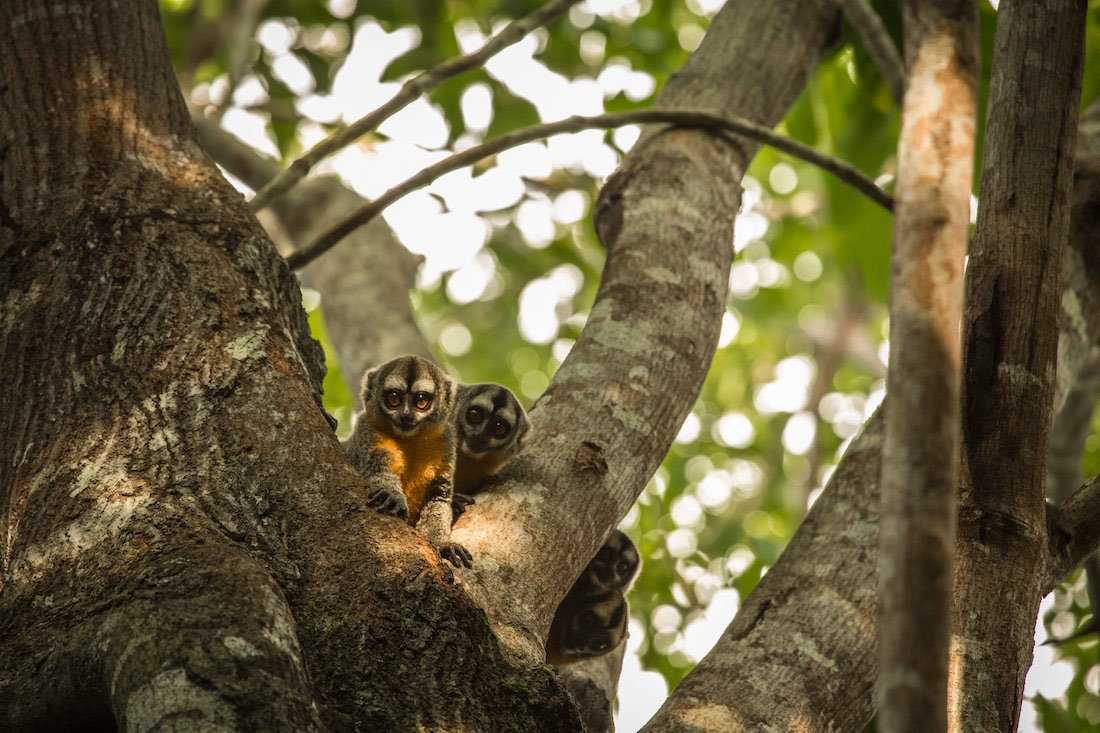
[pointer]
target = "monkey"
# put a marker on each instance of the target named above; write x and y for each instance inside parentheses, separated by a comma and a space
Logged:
(586, 626)
(592, 618)
(404, 444)
(491, 425)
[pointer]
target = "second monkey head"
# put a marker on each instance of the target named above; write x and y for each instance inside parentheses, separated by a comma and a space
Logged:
(406, 394)
(490, 421)
(615, 565)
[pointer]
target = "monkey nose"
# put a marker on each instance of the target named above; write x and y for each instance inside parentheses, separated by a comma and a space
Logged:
(407, 421)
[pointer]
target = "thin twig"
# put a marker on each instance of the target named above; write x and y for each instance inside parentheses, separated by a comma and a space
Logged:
(843, 171)
(409, 92)
(240, 48)
(878, 43)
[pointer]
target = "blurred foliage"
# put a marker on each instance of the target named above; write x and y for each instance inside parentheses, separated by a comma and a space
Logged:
(806, 315)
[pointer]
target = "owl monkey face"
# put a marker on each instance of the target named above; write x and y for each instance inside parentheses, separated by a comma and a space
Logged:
(407, 393)
(490, 420)
(615, 564)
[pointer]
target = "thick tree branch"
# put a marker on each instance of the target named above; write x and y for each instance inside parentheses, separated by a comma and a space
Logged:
(408, 93)
(1010, 336)
(232, 153)
(681, 118)
(921, 443)
(877, 41)
(594, 684)
(616, 403)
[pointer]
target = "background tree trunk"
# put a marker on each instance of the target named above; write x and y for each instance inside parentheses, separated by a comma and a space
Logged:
(920, 453)
(1010, 340)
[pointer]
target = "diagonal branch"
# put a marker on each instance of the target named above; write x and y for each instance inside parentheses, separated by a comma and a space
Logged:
(877, 41)
(1073, 532)
(618, 400)
(409, 92)
(682, 118)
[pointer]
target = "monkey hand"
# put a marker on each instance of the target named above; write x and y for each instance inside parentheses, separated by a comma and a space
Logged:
(456, 555)
(459, 503)
(389, 500)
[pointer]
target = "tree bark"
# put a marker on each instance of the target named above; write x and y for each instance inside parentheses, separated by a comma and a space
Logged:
(921, 440)
(163, 449)
(186, 458)
(364, 286)
(1010, 348)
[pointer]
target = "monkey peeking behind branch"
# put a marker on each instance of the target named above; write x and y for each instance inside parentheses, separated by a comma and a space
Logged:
(592, 618)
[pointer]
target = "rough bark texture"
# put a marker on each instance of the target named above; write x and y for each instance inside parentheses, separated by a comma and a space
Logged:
(921, 441)
(778, 666)
(1013, 294)
(374, 336)
(364, 286)
(162, 447)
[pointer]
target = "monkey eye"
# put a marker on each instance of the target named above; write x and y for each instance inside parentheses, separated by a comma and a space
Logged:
(500, 429)
(423, 401)
(604, 554)
(475, 415)
(393, 398)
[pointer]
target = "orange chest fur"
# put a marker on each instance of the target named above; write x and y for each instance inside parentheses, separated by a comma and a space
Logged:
(417, 461)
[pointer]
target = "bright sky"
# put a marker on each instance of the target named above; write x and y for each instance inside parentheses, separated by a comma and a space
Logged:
(450, 224)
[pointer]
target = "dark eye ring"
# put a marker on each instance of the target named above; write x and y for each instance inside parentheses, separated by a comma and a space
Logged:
(423, 401)
(475, 415)
(393, 398)
(500, 429)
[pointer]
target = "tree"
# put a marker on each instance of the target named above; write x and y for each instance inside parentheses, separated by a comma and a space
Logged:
(184, 543)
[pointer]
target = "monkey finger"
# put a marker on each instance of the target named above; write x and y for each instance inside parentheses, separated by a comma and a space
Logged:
(456, 555)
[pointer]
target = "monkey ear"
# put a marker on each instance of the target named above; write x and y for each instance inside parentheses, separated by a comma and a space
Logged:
(368, 385)
(521, 438)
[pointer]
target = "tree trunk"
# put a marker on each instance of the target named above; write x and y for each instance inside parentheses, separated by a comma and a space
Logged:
(1010, 337)
(920, 452)
(184, 539)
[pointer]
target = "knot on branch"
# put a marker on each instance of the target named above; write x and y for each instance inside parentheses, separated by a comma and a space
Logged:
(608, 218)
(589, 458)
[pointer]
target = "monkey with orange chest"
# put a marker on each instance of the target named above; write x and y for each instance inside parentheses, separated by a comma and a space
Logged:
(404, 444)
